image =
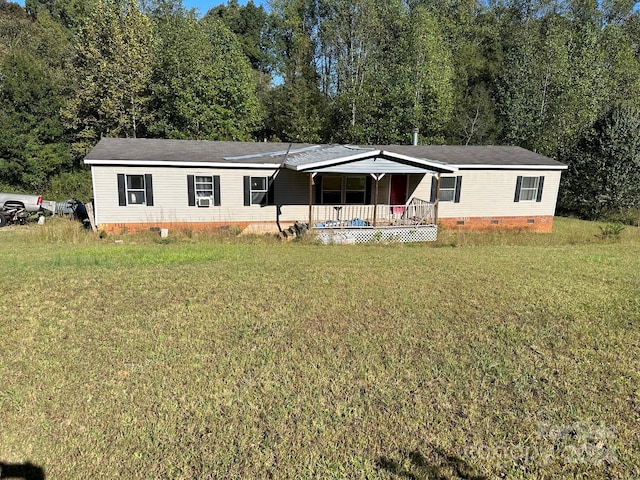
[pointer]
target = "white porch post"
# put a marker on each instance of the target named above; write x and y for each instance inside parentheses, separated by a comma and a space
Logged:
(375, 198)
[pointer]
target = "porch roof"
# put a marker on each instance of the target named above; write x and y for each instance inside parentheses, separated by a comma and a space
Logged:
(354, 159)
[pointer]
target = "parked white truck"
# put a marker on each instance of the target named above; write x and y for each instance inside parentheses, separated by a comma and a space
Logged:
(16, 207)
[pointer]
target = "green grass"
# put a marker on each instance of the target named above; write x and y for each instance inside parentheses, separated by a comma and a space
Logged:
(216, 357)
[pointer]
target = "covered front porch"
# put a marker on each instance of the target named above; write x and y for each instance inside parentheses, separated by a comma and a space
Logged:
(414, 221)
(362, 195)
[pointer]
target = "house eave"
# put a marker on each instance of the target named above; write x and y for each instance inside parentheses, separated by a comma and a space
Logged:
(434, 166)
(169, 163)
(334, 161)
(509, 167)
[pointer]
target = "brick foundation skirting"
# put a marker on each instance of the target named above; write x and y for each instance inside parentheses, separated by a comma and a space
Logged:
(122, 228)
(536, 223)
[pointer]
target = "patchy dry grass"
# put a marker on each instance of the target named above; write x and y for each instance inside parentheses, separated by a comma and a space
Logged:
(228, 358)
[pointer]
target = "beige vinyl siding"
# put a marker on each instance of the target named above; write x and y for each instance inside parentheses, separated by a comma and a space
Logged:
(292, 188)
(383, 190)
(490, 193)
(292, 192)
(484, 193)
(171, 202)
(420, 187)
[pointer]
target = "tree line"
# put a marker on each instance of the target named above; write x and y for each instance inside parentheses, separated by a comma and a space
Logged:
(560, 77)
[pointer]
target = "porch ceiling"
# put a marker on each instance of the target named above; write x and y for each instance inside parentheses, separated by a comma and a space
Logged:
(352, 159)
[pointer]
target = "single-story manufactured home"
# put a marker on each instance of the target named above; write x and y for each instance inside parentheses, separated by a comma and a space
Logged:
(142, 184)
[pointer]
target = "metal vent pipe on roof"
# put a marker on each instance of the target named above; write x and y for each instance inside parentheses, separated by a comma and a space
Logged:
(414, 136)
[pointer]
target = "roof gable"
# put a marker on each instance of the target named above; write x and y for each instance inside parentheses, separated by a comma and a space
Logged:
(354, 159)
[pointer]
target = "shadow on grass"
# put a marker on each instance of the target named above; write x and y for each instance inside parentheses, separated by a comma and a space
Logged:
(21, 471)
(434, 464)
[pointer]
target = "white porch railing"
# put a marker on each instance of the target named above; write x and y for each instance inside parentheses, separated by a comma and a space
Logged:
(416, 212)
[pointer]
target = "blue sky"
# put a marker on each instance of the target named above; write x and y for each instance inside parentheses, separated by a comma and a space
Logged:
(203, 6)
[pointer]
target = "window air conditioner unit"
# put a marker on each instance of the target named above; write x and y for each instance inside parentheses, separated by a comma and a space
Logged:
(204, 201)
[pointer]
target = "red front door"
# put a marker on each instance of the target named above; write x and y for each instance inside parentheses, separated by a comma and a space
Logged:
(398, 193)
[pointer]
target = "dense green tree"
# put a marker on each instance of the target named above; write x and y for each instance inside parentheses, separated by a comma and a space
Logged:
(68, 13)
(476, 47)
(604, 167)
(113, 65)
(250, 24)
(33, 66)
(431, 76)
(623, 66)
(294, 109)
(585, 95)
(355, 36)
(295, 114)
(534, 73)
(533, 80)
(31, 131)
(15, 28)
(202, 84)
(236, 100)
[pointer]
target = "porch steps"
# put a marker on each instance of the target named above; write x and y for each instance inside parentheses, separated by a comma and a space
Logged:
(294, 231)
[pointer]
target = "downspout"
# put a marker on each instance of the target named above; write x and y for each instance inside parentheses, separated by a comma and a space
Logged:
(278, 209)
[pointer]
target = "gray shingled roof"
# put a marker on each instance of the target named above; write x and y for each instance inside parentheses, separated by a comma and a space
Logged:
(473, 154)
(203, 151)
(160, 150)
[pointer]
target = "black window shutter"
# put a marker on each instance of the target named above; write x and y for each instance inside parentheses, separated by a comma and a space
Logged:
(122, 193)
(540, 185)
(456, 198)
(148, 187)
(216, 190)
(271, 191)
(367, 190)
(318, 181)
(518, 187)
(191, 190)
(247, 190)
(434, 188)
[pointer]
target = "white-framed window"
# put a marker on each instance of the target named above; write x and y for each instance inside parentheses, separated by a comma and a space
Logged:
(447, 189)
(259, 189)
(203, 190)
(135, 189)
(350, 190)
(529, 189)
(204, 186)
(136, 192)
